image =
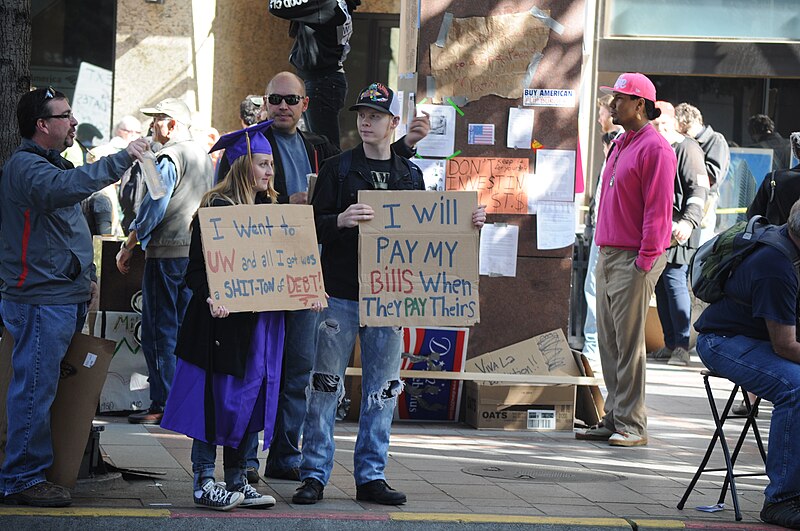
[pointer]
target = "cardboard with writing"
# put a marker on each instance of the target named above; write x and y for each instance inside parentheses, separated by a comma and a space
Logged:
(262, 257)
(83, 372)
(508, 407)
(545, 354)
(418, 259)
(501, 183)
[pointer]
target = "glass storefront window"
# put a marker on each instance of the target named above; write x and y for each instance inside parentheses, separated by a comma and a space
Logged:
(764, 20)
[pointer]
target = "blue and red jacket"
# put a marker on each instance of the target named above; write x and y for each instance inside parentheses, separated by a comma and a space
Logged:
(45, 246)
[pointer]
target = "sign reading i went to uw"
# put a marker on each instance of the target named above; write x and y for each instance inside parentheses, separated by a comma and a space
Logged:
(418, 259)
(262, 257)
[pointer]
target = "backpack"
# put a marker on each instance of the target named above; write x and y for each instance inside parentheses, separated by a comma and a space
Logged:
(716, 260)
(346, 159)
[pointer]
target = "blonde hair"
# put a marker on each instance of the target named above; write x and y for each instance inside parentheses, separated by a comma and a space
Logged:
(237, 186)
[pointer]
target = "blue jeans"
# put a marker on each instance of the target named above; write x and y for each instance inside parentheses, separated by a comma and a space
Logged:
(299, 351)
(327, 95)
(381, 347)
(674, 305)
(164, 300)
(42, 334)
(233, 461)
(590, 292)
(753, 364)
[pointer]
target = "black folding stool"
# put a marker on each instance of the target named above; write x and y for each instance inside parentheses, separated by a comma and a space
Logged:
(719, 435)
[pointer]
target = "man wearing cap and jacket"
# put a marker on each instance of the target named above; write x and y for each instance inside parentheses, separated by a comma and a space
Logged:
(634, 224)
(162, 227)
(337, 213)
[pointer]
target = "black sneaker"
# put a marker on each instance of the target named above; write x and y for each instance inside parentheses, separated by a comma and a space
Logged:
(379, 491)
(785, 513)
(309, 492)
(216, 496)
(44, 494)
(291, 474)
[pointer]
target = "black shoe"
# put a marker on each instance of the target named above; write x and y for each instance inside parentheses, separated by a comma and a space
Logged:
(785, 513)
(379, 492)
(150, 416)
(741, 409)
(44, 494)
(252, 475)
(292, 474)
(309, 492)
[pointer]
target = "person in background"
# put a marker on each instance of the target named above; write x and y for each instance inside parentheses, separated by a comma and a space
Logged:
(321, 44)
(717, 156)
(250, 110)
(162, 227)
(47, 280)
(226, 382)
(755, 346)
(762, 131)
(634, 224)
(672, 290)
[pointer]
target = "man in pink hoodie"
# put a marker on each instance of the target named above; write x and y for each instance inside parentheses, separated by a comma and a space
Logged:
(633, 231)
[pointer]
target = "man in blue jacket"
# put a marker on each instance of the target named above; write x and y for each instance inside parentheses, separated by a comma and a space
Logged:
(46, 272)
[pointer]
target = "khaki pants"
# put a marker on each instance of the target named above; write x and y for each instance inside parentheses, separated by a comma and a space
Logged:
(623, 296)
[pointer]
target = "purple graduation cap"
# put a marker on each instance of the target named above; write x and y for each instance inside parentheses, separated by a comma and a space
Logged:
(244, 141)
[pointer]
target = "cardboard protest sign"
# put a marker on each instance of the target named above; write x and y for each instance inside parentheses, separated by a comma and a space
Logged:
(488, 55)
(262, 257)
(418, 259)
(501, 183)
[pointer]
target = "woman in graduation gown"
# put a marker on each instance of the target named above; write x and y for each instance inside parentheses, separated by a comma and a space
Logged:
(227, 377)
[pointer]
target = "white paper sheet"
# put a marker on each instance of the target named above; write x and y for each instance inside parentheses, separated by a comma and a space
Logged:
(520, 128)
(554, 179)
(441, 140)
(498, 250)
(433, 172)
(555, 225)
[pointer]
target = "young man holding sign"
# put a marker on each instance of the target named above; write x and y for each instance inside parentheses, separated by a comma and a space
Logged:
(372, 166)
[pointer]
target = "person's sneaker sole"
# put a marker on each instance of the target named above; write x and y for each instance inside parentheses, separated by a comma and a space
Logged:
(9, 500)
(628, 443)
(235, 503)
(265, 503)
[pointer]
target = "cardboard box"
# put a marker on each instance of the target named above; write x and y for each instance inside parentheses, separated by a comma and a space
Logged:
(118, 292)
(520, 407)
(509, 406)
(83, 372)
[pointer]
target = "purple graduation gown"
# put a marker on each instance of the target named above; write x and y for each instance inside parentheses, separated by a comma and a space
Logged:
(242, 405)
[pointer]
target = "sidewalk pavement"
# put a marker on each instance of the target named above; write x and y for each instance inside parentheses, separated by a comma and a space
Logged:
(454, 476)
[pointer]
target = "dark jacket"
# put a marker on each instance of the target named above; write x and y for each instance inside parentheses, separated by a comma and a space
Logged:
(332, 197)
(689, 199)
(717, 155)
(215, 345)
(776, 195)
(781, 150)
(320, 48)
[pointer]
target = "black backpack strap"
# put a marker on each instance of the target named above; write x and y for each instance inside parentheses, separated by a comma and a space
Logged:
(417, 179)
(345, 161)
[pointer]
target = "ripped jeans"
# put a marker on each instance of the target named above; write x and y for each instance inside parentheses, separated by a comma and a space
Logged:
(380, 358)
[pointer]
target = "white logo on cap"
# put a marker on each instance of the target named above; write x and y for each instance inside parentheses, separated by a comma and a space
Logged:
(621, 82)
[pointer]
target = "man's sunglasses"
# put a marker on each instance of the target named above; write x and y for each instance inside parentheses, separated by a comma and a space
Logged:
(64, 116)
(290, 99)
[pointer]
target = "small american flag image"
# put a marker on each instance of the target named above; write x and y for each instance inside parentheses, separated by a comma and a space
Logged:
(482, 134)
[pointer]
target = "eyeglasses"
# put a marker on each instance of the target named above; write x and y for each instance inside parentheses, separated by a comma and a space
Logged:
(65, 115)
(290, 99)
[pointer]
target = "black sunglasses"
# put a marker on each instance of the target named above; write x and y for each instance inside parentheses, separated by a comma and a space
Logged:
(290, 99)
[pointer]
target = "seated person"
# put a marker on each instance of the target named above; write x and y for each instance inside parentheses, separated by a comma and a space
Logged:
(749, 337)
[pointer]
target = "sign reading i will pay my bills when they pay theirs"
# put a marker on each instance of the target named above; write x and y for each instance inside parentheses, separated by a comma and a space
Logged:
(262, 257)
(418, 259)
